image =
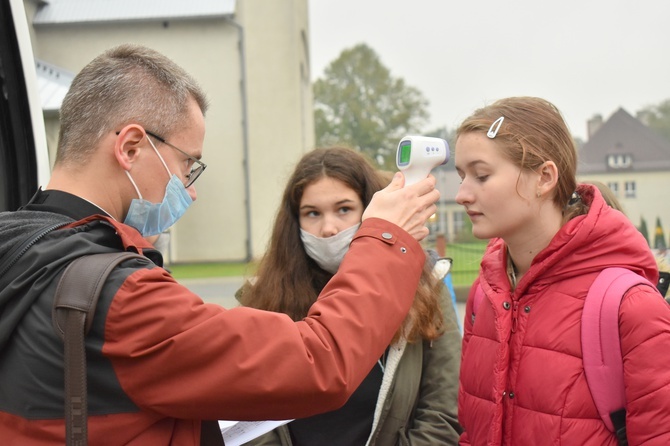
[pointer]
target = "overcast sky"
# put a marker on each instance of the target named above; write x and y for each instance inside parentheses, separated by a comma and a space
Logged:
(586, 56)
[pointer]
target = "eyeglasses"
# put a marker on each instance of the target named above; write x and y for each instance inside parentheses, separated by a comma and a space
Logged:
(197, 166)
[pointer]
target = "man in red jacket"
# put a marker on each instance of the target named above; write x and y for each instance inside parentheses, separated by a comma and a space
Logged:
(159, 359)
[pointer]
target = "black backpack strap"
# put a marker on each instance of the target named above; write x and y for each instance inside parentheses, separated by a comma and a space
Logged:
(74, 305)
(619, 421)
(663, 284)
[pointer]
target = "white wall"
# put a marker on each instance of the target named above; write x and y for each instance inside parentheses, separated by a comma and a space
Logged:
(279, 104)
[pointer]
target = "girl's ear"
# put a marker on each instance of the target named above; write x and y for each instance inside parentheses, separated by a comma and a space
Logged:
(548, 178)
(127, 146)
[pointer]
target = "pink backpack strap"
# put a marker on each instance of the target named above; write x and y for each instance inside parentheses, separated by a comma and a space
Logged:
(601, 342)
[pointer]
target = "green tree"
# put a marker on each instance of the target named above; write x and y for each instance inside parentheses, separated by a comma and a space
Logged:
(659, 235)
(643, 229)
(358, 103)
(444, 133)
(657, 118)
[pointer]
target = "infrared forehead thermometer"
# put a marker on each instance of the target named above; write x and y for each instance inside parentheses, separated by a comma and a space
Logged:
(418, 155)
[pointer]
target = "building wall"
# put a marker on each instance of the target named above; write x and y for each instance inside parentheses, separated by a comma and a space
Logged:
(650, 201)
(280, 122)
(281, 119)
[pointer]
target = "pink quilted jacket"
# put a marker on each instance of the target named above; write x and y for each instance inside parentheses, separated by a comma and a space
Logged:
(522, 380)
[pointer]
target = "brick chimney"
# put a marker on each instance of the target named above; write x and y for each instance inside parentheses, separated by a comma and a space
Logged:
(594, 124)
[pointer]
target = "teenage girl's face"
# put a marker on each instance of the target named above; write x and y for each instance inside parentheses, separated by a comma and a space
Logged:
(498, 198)
(329, 206)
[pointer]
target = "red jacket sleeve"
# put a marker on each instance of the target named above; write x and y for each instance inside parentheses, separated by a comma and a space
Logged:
(182, 358)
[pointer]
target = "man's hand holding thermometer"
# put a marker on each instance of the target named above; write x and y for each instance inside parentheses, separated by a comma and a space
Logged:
(411, 206)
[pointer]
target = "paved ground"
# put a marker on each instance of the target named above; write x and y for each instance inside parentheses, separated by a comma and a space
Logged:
(216, 290)
(222, 291)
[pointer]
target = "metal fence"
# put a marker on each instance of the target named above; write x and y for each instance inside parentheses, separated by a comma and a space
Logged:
(466, 259)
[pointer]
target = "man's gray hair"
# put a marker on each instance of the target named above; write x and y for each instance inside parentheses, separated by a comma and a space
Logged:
(126, 84)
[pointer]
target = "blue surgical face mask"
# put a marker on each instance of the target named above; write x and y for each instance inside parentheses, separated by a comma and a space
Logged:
(328, 252)
(153, 218)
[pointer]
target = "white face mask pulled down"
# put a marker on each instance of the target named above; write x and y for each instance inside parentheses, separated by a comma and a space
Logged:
(328, 252)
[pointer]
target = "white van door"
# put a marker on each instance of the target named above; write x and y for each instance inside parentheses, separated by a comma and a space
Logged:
(24, 157)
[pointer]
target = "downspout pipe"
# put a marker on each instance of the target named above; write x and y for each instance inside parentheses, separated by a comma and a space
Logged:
(245, 135)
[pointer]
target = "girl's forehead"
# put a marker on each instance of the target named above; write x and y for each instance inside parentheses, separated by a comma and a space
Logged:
(328, 183)
(472, 147)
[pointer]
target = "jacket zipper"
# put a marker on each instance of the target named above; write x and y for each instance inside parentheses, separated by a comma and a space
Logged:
(28, 243)
(515, 315)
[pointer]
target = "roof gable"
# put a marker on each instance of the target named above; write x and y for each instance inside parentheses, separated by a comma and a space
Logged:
(624, 143)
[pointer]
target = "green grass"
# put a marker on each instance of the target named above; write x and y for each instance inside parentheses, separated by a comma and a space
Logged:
(464, 270)
(467, 257)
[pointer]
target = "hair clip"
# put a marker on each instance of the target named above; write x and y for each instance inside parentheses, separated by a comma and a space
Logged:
(493, 130)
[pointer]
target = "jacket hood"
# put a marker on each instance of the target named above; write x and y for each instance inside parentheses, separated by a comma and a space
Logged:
(16, 226)
(21, 269)
(602, 238)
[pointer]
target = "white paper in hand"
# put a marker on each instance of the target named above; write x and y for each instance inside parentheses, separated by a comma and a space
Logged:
(236, 433)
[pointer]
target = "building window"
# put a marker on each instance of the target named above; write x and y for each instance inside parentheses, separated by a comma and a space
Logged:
(619, 161)
(631, 191)
(614, 186)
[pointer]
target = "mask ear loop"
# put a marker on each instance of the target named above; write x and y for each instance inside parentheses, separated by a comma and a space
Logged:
(159, 156)
(134, 185)
(495, 127)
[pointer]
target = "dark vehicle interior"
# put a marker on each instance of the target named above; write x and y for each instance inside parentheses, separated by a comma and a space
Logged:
(18, 164)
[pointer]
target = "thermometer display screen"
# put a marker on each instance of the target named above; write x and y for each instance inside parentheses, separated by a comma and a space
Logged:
(405, 152)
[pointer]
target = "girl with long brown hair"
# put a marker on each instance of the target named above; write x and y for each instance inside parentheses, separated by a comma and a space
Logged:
(409, 397)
